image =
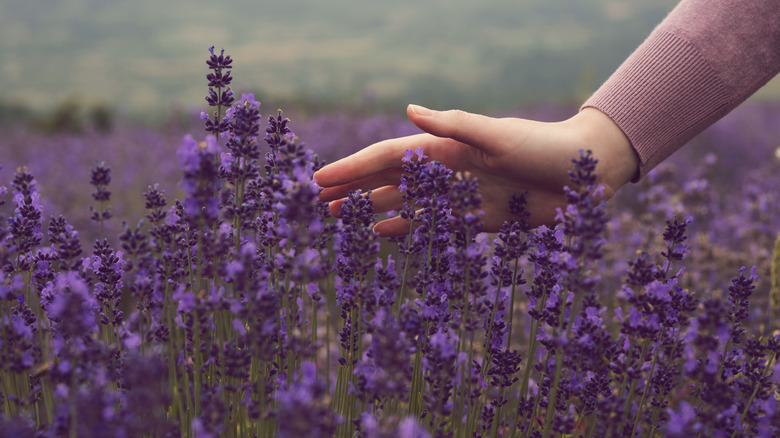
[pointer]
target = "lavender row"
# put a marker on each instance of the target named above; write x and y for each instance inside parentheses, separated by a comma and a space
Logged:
(245, 309)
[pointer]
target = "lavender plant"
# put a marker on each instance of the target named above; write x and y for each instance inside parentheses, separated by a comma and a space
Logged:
(244, 309)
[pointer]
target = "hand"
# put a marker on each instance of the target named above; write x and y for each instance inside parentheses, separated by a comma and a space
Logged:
(507, 155)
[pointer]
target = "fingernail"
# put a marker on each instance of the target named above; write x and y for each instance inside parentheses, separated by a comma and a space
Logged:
(421, 110)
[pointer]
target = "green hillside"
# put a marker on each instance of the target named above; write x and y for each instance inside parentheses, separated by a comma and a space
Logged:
(146, 55)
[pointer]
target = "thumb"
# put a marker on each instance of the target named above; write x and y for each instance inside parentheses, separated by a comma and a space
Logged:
(473, 129)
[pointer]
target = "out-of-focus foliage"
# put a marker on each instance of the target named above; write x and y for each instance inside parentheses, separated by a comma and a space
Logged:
(478, 55)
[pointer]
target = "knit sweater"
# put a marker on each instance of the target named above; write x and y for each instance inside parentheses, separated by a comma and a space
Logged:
(705, 58)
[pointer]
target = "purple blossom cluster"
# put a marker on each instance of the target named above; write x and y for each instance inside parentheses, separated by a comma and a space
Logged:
(244, 309)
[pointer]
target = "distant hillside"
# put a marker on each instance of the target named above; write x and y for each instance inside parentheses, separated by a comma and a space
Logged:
(143, 56)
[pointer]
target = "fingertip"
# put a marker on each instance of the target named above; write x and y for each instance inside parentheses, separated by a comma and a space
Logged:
(335, 208)
(321, 176)
(413, 110)
(328, 194)
(392, 227)
(421, 117)
(379, 230)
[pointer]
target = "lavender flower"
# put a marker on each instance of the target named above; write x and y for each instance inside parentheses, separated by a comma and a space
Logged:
(100, 177)
(431, 234)
(245, 128)
(357, 242)
(739, 293)
(24, 228)
(107, 266)
(135, 245)
(674, 237)
(239, 167)
(72, 307)
(24, 182)
(410, 192)
(220, 95)
(278, 134)
(17, 352)
(145, 397)
(439, 364)
(200, 180)
(370, 426)
(303, 410)
(66, 242)
(386, 372)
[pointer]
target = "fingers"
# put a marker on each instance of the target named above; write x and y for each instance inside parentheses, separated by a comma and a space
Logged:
(390, 177)
(392, 227)
(482, 132)
(384, 199)
(374, 159)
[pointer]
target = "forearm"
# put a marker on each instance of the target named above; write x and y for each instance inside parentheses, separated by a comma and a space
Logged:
(703, 60)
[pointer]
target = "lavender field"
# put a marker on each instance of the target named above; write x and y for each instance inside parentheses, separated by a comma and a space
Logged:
(186, 281)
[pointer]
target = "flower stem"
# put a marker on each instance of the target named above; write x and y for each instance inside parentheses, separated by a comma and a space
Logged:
(647, 385)
(753, 395)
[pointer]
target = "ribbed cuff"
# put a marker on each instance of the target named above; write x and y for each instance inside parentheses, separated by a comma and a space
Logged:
(663, 95)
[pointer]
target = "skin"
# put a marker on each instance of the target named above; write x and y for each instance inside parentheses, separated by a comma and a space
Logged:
(506, 155)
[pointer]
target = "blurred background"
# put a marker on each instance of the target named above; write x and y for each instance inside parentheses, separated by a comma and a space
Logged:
(122, 81)
(143, 59)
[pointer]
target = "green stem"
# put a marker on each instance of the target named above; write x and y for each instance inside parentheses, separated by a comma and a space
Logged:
(753, 395)
(647, 386)
(457, 413)
(330, 300)
(630, 395)
(415, 407)
(558, 369)
(73, 430)
(532, 349)
(536, 402)
(512, 305)
(488, 355)
(408, 257)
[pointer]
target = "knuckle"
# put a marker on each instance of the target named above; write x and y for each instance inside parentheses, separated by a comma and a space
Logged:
(459, 115)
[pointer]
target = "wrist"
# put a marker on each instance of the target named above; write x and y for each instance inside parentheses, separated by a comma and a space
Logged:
(618, 161)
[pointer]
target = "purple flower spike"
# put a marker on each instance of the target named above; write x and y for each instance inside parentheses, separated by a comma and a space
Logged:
(220, 95)
(73, 307)
(370, 426)
(245, 129)
(585, 216)
(739, 294)
(303, 407)
(16, 347)
(357, 243)
(200, 180)
(219, 61)
(410, 181)
(278, 134)
(440, 364)
(100, 177)
(674, 237)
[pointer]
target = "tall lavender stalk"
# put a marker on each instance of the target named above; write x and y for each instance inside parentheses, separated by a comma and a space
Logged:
(100, 177)
(220, 95)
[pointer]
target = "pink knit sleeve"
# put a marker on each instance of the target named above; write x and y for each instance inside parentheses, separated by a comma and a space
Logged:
(703, 60)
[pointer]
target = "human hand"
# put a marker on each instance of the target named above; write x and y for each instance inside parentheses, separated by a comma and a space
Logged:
(506, 155)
